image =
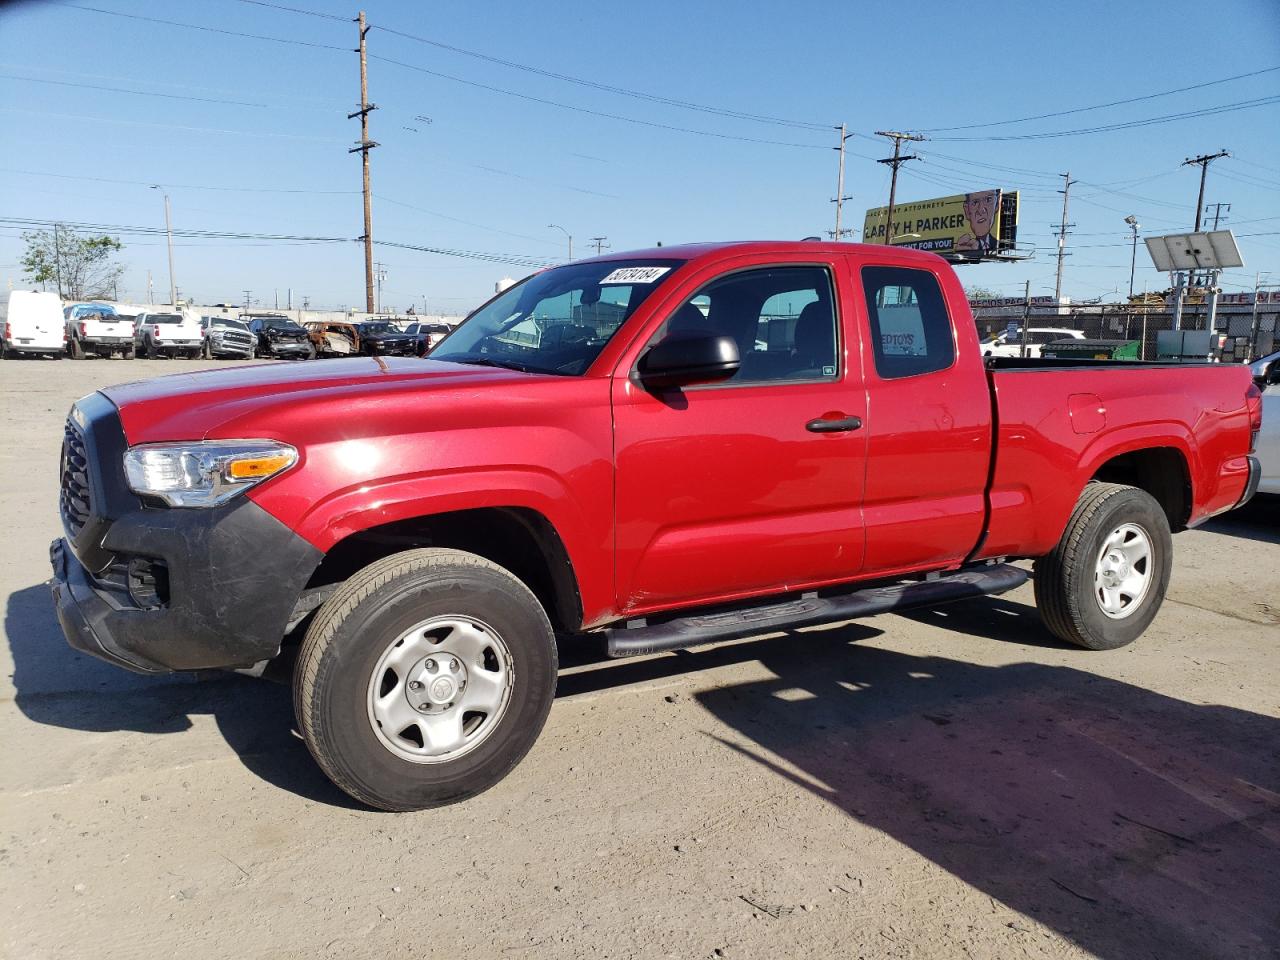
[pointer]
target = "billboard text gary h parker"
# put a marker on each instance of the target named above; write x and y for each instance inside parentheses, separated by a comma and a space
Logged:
(968, 225)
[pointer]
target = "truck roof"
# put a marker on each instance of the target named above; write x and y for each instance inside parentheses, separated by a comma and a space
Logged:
(790, 248)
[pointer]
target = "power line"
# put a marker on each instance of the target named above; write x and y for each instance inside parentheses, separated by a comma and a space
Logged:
(590, 112)
(198, 26)
(1128, 124)
(467, 223)
(1103, 106)
(609, 88)
(168, 126)
(309, 13)
(174, 186)
(136, 93)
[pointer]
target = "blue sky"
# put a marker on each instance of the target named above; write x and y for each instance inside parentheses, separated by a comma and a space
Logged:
(488, 171)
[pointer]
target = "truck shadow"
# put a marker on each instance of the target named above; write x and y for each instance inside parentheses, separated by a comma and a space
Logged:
(58, 686)
(1131, 823)
(1259, 519)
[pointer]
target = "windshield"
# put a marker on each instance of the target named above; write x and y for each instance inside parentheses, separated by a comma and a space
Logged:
(230, 325)
(370, 329)
(281, 325)
(556, 321)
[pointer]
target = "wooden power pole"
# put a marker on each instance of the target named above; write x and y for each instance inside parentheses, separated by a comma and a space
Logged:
(363, 148)
(1203, 162)
(895, 162)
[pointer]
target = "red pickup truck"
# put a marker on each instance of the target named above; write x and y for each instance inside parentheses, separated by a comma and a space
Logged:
(663, 448)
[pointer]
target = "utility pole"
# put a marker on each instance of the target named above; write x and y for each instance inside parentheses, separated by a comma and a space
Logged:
(601, 246)
(897, 160)
(363, 148)
(1217, 211)
(151, 296)
(1203, 162)
(556, 226)
(1026, 320)
(168, 230)
(1133, 223)
(57, 258)
(1253, 323)
(1062, 234)
(381, 274)
(306, 303)
(247, 299)
(838, 234)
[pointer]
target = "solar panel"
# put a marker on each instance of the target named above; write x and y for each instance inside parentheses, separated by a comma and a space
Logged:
(1208, 250)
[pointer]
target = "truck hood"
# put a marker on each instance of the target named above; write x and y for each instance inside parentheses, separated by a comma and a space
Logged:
(212, 403)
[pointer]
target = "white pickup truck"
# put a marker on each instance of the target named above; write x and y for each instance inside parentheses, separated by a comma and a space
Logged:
(96, 329)
(1008, 343)
(168, 335)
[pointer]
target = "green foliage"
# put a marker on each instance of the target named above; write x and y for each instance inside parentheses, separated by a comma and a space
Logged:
(78, 267)
(981, 293)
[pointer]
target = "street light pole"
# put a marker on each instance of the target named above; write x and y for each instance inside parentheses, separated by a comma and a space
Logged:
(168, 230)
(1133, 223)
(556, 226)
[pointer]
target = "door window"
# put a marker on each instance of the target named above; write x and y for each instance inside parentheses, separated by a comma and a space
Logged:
(782, 319)
(910, 328)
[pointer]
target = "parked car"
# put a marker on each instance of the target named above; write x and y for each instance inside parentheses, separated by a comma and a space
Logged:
(31, 324)
(1266, 374)
(1009, 344)
(96, 329)
(381, 337)
(224, 337)
(426, 529)
(334, 339)
(167, 335)
(427, 335)
(278, 336)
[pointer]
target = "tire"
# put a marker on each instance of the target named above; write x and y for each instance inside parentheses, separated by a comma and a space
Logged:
(76, 350)
(206, 352)
(127, 353)
(1094, 566)
(438, 602)
(311, 353)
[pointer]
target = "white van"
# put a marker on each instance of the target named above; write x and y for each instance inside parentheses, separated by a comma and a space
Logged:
(32, 323)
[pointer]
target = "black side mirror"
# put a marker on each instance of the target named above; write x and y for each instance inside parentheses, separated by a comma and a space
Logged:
(685, 359)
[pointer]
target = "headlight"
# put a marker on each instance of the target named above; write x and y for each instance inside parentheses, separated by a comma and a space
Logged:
(204, 474)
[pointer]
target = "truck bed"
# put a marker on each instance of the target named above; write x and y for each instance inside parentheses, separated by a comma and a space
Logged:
(1060, 423)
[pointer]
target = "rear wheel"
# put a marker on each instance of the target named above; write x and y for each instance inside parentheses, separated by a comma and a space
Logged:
(425, 679)
(76, 350)
(1104, 582)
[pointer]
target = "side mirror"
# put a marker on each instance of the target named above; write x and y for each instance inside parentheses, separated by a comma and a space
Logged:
(682, 360)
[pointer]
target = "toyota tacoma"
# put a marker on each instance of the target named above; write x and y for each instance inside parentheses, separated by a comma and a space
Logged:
(659, 449)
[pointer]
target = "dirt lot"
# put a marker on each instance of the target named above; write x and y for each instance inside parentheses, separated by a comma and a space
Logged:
(950, 784)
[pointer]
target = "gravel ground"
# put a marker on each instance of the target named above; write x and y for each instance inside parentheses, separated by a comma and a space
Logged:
(953, 783)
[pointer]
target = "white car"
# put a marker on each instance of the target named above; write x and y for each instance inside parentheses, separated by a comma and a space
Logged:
(1009, 344)
(31, 324)
(168, 334)
(1266, 371)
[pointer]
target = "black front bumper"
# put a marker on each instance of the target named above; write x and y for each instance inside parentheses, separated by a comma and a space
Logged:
(156, 589)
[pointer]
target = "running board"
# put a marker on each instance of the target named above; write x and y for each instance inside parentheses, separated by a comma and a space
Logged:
(634, 641)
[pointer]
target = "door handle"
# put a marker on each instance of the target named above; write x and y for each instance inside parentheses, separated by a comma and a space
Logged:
(842, 425)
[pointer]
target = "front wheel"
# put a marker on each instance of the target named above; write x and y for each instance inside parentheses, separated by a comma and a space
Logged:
(425, 679)
(1104, 582)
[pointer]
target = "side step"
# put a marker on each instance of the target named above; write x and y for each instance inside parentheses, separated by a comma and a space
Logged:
(690, 631)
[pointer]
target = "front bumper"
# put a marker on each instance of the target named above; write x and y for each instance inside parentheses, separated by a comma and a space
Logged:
(244, 350)
(395, 348)
(289, 349)
(159, 589)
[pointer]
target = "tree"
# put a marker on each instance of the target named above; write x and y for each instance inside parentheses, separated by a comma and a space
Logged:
(981, 293)
(80, 267)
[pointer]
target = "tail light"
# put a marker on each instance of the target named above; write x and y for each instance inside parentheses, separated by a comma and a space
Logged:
(83, 331)
(1253, 400)
(7, 334)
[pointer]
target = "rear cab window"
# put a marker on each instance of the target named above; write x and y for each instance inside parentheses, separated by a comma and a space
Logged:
(911, 332)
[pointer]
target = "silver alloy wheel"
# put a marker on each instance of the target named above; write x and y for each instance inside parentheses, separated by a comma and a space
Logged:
(1122, 575)
(440, 689)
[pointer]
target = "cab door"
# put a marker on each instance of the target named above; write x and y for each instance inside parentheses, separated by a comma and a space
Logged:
(753, 485)
(929, 429)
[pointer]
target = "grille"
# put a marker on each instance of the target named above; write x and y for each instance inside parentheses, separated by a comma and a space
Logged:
(74, 502)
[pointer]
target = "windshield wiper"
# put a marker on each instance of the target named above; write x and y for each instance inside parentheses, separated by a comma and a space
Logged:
(484, 360)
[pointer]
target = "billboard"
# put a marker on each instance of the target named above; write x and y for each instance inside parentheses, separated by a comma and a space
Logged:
(968, 225)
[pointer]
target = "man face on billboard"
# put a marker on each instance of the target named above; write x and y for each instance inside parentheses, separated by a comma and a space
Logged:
(980, 209)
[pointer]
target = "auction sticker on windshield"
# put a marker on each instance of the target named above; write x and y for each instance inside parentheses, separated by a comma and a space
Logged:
(635, 275)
